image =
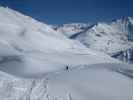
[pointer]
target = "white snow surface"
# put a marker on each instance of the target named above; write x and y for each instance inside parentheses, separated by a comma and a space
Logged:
(107, 81)
(33, 61)
(90, 84)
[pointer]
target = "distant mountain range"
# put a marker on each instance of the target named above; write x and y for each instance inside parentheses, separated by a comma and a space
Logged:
(114, 38)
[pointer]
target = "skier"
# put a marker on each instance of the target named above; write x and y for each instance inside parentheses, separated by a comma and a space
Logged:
(67, 67)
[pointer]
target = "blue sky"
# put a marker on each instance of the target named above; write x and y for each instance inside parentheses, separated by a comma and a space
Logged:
(65, 11)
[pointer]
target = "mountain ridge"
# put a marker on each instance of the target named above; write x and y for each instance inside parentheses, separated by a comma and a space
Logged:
(108, 37)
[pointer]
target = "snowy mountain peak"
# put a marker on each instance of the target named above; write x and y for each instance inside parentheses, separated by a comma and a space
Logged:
(126, 19)
(109, 37)
(124, 22)
(125, 25)
(71, 28)
(76, 25)
(16, 19)
(123, 19)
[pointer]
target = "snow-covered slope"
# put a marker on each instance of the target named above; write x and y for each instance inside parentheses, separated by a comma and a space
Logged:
(71, 29)
(30, 51)
(90, 84)
(110, 38)
(33, 61)
(95, 82)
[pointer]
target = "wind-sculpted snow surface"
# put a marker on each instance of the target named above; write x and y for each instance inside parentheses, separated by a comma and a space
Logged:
(37, 63)
(91, 83)
(95, 82)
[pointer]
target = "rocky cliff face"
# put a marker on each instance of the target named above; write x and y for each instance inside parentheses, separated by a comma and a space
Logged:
(126, 56)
